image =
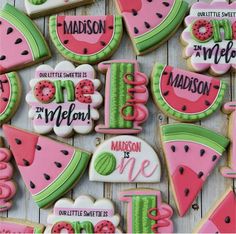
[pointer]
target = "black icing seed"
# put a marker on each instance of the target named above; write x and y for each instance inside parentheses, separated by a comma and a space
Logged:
(202, 152)
(65, 152)
(0, 22)
(216, 86)
(18, 41)
(165, 73)
(181, 170)
(103, 43)
(166, 4)
(136, 30)
(111, 27)
(186, 148)
(149, 0)
(186, 192)
(38, 147)
(184, 108)
(134, 12)
(25, 52)
(227, 219)
(32, 185)
(85, 50)
(214, 158)
(26, 163)
(159, 15)
(147, 25)
(9, 30)
(18, 141)
(3, 57)
(59, 25)
(5, 99)
(166, 93)
(66, 42)
(173, 148)
(58, 164)
(207, 103)
(200, 174)
(46, 176)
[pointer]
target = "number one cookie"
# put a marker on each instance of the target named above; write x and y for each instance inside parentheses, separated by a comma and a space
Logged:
(230, 171)
(146, 213)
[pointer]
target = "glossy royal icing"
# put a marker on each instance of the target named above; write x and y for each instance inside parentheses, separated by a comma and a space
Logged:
(125, 159)
(191, 154)
(150, 23)
(125, 97)
(146, 212)
(84, 215)
(209, 37)
(49, 168)
(64, 99)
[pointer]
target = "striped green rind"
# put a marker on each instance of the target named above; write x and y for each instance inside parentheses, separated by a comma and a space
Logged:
(14, 100)
(27, 27)
(164, 30)
(94, 58)
(65, 181)
(194, 133)
(119, 95)
(37, 2)
(163, 105)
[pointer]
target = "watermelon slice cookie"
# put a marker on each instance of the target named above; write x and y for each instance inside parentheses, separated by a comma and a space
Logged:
(10, 95)
(186, 96)
(191, 154)
(9, 225)
(21, 43)
(49, 168)
(150, 23)
(222, 217)
(86, 39)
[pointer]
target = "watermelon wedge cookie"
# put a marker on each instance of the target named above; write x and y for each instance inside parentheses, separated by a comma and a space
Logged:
(184, 95)
(10, 96)
(86, 39)
(191, 153)
(49, 168)
(10, 225)
(151, 23)
(222, 217)
(21, 43)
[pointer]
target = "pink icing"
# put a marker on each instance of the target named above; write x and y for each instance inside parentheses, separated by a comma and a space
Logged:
(11, 50)
(209, 227)
(5, 92)
(11, 227)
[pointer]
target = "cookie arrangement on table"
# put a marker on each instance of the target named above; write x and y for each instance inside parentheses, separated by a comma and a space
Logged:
(65, 99)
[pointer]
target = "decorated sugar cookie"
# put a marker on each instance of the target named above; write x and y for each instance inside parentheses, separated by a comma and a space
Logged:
(230, 171)
(222, 217)
(7, 186)
(64, 99)
(210, 36)
(125, 159)
(10, 95)
(86, 39)
(150, 23)
(125, 97)
(9, 225)
(186, 96)
(21, 42)
(84, 215)
(36, 8)
(146, 213)
(191, 154)
(49, 168)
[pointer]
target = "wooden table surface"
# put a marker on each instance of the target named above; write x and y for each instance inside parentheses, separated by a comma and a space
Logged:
(169, 53)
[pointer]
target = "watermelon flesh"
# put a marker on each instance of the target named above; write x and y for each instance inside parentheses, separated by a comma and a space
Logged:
(5, 90)
(49, 168)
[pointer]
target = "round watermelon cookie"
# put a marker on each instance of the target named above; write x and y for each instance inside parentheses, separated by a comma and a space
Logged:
(10, 96)
(86, 39)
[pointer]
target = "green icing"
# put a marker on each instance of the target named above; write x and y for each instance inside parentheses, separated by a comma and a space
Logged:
(93, 58)
(164, 30)
(226, 25)
(105, 163)
(119, 94)
(87, 227)
(37, 2)
(194, 133)
(59, 96)
(15, 96)
(65, 181)
(163, 105)
(140, 207)
(26, 26)
(70, 89)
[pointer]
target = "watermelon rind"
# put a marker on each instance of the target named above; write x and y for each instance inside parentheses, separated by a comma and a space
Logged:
(93, 58)
(14, 100)
(163, 31)
(26, 26)
(194, 133)
(163, 105)
(65, 181)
